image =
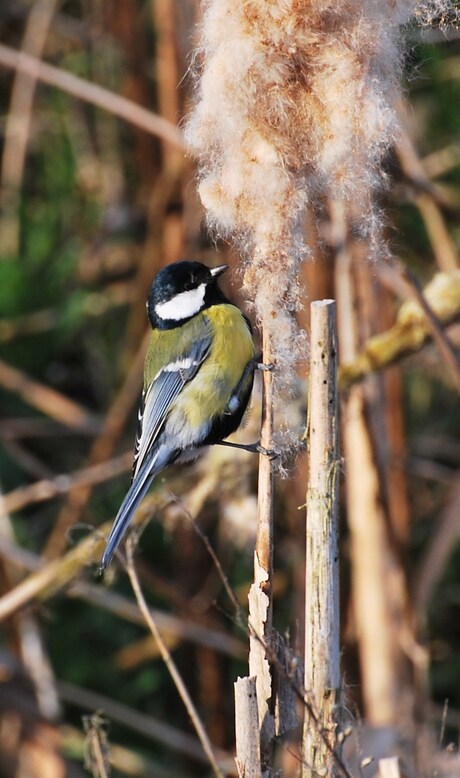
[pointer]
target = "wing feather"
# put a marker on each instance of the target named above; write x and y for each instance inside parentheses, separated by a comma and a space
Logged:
(159, 395)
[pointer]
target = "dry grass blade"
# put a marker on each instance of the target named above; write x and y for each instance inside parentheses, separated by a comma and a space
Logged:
(170, 664)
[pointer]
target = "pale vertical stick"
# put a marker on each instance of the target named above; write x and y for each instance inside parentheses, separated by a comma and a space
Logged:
(247, 729)
(369, 552)
(371, 567)
(389, 768)
(260, 594)
(322, 617)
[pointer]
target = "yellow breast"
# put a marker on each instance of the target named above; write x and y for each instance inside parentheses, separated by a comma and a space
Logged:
(208, 394)
(232, 348)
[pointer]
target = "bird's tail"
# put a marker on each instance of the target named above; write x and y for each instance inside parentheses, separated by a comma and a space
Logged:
(128, 507)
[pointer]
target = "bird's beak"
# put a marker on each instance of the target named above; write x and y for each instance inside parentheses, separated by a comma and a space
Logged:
(217, 271)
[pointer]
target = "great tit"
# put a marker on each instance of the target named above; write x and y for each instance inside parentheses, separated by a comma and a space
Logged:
(198, 377)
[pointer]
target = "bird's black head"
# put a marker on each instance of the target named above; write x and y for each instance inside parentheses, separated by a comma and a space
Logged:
(180, 291)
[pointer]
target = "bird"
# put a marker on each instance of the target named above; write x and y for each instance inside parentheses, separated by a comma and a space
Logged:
(198, 378)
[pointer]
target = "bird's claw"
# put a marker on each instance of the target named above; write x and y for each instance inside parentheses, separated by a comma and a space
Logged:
(266, 452)
(260, 365)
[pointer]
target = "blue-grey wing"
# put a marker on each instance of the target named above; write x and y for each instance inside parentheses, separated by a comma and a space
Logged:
(158, 396)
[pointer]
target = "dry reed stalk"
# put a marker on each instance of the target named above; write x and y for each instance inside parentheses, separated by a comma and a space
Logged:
(17, 127)
(365, 516)
(25, 632)
(85, 478)
(441, 547)
(52, 403)
(322, 607)
(396, 458)
(441, 161)
(368, 551)
(122, 22)
(92, 93)
(166, 238)
(260, 594)
(168, 70)
(389, 767)
(247, 729)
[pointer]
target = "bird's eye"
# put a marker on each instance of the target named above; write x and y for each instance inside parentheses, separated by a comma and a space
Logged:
(190, 284)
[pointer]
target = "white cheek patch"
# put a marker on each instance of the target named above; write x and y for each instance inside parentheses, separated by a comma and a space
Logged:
(183, 305)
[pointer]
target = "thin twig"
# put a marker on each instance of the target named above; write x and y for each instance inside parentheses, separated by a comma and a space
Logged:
(92, 93)
(225, 582)
(170, 664)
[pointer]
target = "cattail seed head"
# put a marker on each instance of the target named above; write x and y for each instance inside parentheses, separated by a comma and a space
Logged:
(295, 103)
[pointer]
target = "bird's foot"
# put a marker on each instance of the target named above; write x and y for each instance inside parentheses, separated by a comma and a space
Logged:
(253, 448)
(260, 365)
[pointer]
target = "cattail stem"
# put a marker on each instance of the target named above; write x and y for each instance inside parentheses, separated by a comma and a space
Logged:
(322, 617)
(247, 729)
(260, 595)
(264, 541)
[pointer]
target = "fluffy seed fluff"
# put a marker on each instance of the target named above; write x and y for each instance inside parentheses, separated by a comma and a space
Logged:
(295, 102)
